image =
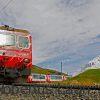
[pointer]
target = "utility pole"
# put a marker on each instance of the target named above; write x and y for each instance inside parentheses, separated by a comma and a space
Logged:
(61, 67)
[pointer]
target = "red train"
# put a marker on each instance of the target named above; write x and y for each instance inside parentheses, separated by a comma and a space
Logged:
(15, 52)
(38, 78)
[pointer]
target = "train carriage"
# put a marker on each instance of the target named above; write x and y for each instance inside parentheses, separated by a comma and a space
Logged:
(36, 78)
(45, 78)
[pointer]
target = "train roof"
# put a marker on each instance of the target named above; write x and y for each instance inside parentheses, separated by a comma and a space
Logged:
(7, 28)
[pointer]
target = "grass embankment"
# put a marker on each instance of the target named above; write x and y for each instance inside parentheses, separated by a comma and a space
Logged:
(39, 70)
(89, 77)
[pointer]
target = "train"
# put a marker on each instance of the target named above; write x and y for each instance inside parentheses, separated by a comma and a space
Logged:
(15, 53)
(16, 57)
(41, 78)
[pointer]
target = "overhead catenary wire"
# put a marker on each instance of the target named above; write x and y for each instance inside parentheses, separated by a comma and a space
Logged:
(2, 3)
(5, 6)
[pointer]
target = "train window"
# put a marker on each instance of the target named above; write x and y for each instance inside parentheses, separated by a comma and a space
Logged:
(42, 77)
(59, 77)
(55, 77)
(36, 76)
(23, 42)
(7, 40)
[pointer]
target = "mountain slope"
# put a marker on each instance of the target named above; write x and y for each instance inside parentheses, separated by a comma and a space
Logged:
(95, 63)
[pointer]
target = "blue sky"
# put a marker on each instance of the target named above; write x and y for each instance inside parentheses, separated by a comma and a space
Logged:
(62, 30)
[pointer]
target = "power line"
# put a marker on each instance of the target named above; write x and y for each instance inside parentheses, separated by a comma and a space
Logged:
(61, 67)
(2, 3)
(4, 6)
(1, 10)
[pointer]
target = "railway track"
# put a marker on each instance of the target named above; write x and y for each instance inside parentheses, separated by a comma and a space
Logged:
(57, 92)
(95, 87)
(92, 87)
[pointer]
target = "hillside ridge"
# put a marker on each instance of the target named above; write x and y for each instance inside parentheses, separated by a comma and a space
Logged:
(40, 70)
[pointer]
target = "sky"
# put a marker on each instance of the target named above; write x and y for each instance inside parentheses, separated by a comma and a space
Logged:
(66, 31)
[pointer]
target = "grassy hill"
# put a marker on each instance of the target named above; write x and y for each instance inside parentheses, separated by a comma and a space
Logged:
(39, 70)
(89, 77)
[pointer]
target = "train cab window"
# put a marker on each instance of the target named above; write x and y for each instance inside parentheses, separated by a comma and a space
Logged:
(7, 40)
(23, 42)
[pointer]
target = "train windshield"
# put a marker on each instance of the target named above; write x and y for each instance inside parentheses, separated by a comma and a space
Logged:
(23, 42)
(7, 40)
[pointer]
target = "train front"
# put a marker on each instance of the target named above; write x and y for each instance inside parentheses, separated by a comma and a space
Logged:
(15, 53)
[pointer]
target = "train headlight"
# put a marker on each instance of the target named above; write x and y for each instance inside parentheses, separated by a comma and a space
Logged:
(26, 60)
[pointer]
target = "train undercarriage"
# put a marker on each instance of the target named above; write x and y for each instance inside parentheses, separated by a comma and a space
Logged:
(13, 75)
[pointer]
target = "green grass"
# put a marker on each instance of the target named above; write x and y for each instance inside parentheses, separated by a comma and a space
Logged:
(39, 70)
(89, 77)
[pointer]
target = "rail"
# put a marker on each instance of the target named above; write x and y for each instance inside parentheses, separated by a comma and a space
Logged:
(95, 87)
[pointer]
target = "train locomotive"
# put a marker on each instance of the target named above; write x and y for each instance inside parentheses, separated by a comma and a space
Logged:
(15, 53)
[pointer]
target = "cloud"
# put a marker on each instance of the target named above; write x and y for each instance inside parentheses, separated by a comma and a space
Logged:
(58, 27)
